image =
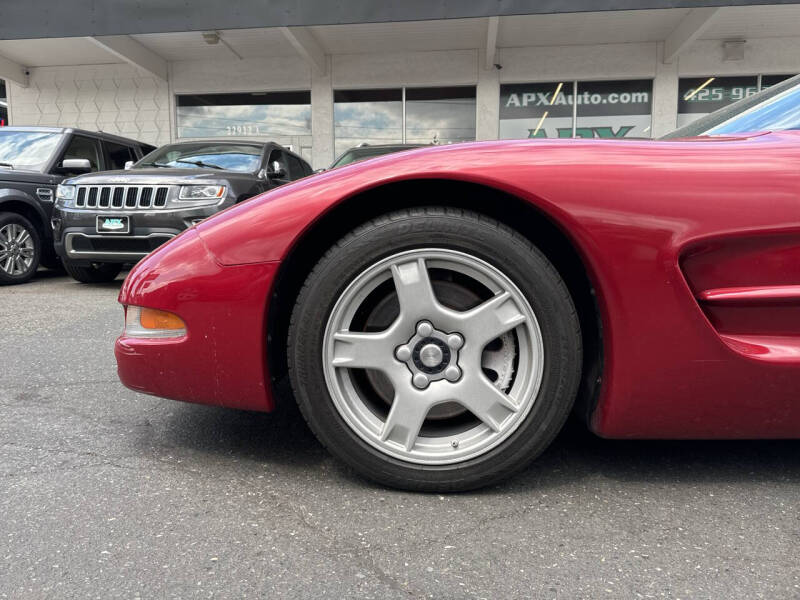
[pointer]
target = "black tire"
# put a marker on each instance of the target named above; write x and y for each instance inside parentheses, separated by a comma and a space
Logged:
(6, 278)
(478, 236)
(95, 273)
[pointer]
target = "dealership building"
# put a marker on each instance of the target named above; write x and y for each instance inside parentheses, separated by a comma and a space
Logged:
(324, 76)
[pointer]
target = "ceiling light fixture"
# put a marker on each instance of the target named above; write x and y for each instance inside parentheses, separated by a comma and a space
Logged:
(212, 38)
(733, 50)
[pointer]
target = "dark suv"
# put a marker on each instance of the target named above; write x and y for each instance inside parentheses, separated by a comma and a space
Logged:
(33, 161)
(105, 220)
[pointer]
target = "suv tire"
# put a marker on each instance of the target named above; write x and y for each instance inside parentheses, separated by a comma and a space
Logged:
(94, 273)
(20, 249)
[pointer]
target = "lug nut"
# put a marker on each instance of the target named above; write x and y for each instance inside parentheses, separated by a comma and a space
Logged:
(455, 341)
(420, 381)
(403, 353)
(452, 373)
(424, 329)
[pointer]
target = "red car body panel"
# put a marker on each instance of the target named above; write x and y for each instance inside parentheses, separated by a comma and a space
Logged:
(692, 247)
(221, 359)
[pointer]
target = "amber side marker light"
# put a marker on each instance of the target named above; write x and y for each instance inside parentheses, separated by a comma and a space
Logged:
(151, 323)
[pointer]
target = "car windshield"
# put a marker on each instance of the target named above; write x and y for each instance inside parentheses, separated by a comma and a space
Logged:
(775, 109)
(365, 152)
(27, 150)
(244, 158)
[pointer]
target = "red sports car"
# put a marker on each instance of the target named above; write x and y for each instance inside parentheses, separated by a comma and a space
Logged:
(439, 313)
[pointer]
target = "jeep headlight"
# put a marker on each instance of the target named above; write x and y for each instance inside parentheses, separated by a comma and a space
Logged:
(65, 195)
(201, 192)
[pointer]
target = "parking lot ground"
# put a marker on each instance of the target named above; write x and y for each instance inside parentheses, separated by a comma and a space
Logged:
(107, 493)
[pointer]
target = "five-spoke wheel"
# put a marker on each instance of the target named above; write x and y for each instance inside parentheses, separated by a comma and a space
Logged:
(434, 350)
(432, 355)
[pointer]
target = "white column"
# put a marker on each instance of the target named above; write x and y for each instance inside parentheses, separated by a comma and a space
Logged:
(665, 95)
(488, 103)
(322, 117)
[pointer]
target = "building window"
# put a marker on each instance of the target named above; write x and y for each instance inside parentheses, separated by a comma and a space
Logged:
(367, 116)
(254, 114)
(403, 115)
(3, 104)
(699, 96)
(614, 109)
(564, 109)
(440, 115)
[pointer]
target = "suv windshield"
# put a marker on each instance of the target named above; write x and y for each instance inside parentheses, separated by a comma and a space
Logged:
(775, 109)
(244, 158)
(27, 150)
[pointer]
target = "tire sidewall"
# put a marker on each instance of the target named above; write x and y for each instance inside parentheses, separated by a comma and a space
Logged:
(479, 237)
(7, 218)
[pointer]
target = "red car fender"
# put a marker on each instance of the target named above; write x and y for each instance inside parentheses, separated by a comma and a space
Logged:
(645, 216)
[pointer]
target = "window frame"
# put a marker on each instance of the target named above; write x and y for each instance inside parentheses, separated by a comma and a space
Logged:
(107, 153)
(55, 169)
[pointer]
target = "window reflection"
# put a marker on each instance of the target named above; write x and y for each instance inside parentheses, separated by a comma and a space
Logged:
(433, 116)
(777, 114)
(440, 115)
(367, 116)
(268, 114)
(215, 155)
(27, 149)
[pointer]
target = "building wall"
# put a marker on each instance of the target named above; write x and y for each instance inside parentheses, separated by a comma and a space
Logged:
(119, 99)
(115, 98)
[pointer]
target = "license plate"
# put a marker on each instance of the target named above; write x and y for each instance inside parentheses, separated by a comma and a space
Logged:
(113, 225)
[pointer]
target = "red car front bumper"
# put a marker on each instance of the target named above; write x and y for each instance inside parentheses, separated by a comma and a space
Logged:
(222, 358)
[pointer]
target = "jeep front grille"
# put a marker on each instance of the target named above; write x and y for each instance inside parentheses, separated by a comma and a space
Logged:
(130, 197)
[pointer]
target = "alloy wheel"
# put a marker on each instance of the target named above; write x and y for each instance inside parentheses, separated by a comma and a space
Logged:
(17, 250)
(448, 369)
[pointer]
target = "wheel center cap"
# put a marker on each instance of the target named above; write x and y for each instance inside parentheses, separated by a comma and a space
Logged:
(431, 355)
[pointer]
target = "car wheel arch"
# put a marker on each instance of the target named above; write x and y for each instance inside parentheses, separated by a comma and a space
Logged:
(526, 217)
(31, 211)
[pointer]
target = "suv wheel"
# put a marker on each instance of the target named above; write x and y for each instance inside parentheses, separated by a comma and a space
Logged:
(20, 249)
(94, 273)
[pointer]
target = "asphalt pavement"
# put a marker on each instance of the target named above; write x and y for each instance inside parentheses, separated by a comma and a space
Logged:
(105, 493)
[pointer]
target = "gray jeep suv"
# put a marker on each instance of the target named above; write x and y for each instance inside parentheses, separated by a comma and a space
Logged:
(105, 220)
